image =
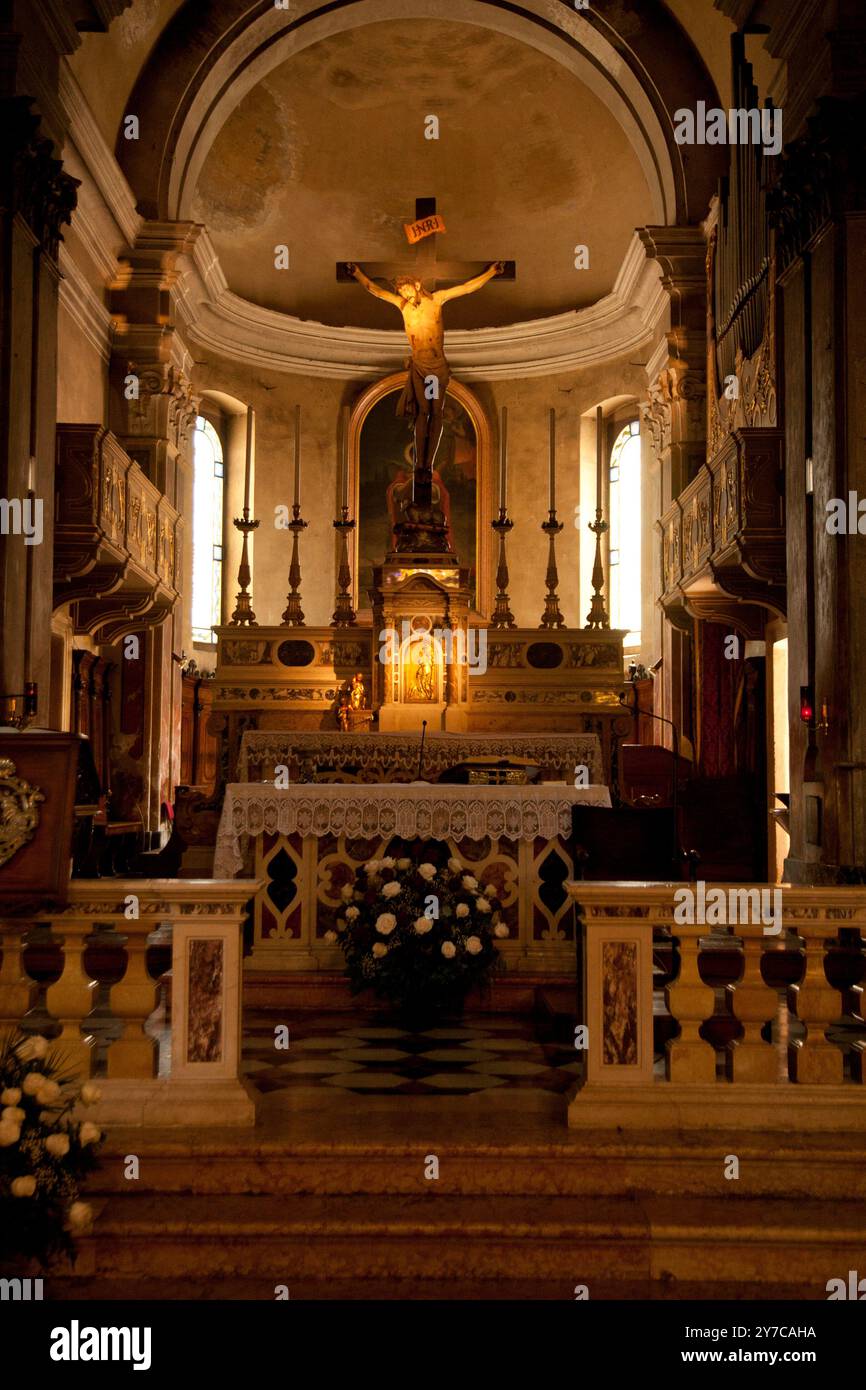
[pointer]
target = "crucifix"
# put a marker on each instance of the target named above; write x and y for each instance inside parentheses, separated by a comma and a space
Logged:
(423, 397)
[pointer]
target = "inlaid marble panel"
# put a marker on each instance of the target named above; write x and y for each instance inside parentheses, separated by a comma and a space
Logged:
(205, 1001)
(619, 1003)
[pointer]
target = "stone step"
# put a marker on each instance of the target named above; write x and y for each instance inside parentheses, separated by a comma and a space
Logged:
(728, 1240)
(578, 1165)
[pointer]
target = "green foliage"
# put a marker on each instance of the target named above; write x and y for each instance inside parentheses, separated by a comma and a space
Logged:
(423, 957)
(37, 1096)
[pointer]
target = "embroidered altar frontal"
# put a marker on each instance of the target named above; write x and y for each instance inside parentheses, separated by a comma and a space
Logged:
(307, 842)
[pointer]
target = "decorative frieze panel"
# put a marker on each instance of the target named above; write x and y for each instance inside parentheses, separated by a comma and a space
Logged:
(117, 538)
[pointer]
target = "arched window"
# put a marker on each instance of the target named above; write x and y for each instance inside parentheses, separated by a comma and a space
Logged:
(207, 531)
(624, 535)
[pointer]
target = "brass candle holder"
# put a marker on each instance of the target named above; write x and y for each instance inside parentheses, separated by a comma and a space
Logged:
(502, 614)
(597, 617)
(243, 614)
(344, 613)
(552, 615)
(293, 615)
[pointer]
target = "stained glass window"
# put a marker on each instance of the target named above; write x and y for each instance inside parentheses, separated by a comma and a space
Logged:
(625, 533)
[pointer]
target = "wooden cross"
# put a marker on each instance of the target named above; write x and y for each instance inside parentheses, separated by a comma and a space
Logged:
(422, 261)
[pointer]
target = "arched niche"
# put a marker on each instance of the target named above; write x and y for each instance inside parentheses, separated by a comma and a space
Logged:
(368, 488)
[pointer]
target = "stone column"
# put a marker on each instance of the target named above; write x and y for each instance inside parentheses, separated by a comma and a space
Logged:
(676, 417)
(153, 414)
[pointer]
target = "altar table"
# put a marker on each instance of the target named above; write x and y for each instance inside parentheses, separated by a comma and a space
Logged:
(307, 841)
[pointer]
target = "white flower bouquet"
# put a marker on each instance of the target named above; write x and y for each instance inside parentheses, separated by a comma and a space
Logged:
(419, 931)
(44, 1153)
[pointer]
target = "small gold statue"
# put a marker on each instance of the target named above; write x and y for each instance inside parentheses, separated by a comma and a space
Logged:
(352, 712)
(357, 694)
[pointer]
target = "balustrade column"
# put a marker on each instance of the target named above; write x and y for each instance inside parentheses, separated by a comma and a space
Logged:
(817, 1062)
(17, 989)
(752, 1061)
(690, 1059)
(70, 999)
(133, 1000)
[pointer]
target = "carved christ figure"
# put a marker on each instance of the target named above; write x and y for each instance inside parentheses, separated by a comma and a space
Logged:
(423, 397)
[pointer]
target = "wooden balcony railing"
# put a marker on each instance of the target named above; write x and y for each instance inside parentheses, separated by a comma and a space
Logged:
(713, 1026)
(724, 536)
(116, 538)
(87, 977)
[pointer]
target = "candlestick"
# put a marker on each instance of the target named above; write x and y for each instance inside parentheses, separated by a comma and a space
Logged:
(344, 455)
(552, 506)
(597, 617)
(293, 615)
(552, 615)
(344, 613)
(249, 460)
(297, 497)
(503, 459)
(502, 614)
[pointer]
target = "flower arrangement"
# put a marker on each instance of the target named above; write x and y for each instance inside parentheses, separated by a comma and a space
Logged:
(419, 930)
(44, 1153)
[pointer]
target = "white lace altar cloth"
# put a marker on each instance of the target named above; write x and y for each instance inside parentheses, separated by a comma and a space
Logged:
(365, 811)
(394, 757)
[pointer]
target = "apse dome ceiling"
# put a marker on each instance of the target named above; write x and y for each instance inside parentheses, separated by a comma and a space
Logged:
(328, 154)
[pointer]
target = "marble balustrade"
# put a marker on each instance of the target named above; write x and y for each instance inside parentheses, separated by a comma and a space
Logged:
(83, 974)
(760, 1026)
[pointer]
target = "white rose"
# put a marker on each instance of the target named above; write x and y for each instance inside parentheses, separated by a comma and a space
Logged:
(329, 937)
(57, 1145)
(33, 1082)
(469, 882)
(455, 866)
(379, 949)
(89, 1133)
(404, 864)
(371, 866)
(80, 1216)
(483, 905)
(387, 862)
(12, 1115)
(391, 890)
(423, 925)
(90, 1094)
(49, 1091)
(500, 929)
(427, 871)
(346, 892)
(10, 1096)
(462, 910)
(385, 923)
(473, 945)
(351, 914)
(489, 890)
(9, 1134)
(448, 949)
(23, 1187)
(32, 1049)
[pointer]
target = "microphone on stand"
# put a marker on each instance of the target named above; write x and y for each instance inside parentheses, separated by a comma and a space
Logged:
(421, 749)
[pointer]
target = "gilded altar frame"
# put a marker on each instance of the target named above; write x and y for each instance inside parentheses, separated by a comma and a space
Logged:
(484, 558)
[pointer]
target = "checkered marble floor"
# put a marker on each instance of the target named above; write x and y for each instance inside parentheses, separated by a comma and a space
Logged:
(348, 1052)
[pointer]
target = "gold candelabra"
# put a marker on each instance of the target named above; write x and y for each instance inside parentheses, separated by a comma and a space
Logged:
(243, 614)
(344, 613)
(502, 614)
(597, 617)
(294, 614)
(552, 615)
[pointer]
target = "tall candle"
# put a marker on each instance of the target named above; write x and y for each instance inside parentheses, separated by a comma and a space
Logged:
(599, 440)
(249, 459)
(552, 460)
(297, 456)
(503, 459)
(344, 450)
